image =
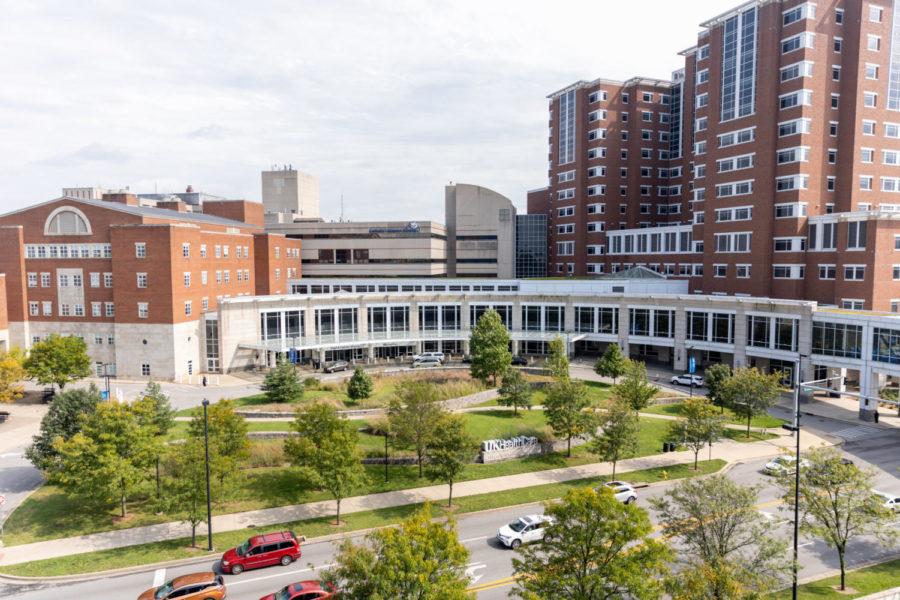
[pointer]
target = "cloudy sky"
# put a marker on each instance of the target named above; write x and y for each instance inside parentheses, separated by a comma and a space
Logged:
(386, 101)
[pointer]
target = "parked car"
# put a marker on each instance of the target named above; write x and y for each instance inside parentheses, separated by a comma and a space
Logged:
(335, 366)
(783, 464)
(48, 394)
(891, 501)
(426, 361)
(280, 548)
(524, 530)
(303, 590)
(438, 355)
(196, 586)
(624, 492)
(686, 378)
(4, 416)
(519, 361)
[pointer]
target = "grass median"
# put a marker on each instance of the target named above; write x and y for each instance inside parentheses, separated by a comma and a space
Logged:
(141, 554)
(863, 582)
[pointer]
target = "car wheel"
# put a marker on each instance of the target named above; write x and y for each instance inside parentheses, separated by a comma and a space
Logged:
(237, 569)
(515, 544)
(630, 499)
(285, 561)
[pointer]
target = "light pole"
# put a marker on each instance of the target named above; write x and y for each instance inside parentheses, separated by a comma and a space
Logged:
(209, 533)
(796, 428)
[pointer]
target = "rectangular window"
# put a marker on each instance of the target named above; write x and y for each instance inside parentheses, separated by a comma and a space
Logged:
(107, 280)
(142, 280)
(140, 250)
(854, 272)
(110, 309)
(738, 65)
(856, 235)
(186, 250)
(143, 310)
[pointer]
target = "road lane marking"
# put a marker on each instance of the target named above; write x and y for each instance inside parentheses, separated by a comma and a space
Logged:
(11, 455)
(281, 574)
(159, 577)
(475, 539)
(470, 572)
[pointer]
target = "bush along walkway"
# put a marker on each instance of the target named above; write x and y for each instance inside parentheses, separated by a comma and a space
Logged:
(224, 523)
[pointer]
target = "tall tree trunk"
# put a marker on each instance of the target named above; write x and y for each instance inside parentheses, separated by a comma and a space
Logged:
(843, 569)
(696, 454)
(193, 534)
(419, 456)
(614, 468)
(338, 512)
(569, 447)
(123, 506)
(450, 497)
(749, 417)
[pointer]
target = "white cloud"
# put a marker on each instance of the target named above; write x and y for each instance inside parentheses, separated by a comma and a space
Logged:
(386, 101)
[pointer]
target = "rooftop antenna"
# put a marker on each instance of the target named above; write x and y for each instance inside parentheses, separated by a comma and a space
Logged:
(342, 208)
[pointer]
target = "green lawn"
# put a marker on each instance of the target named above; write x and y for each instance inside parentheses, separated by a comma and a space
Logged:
(180, 429)
(597, 391)
(865, 581)
(758, 421)
(178, 549)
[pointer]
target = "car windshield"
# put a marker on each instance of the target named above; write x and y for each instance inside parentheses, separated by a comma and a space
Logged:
(518, 525)
(283, 594)
(163, 590)
(242, 549)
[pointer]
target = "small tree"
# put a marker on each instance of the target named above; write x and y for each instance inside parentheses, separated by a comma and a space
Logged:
(414, 416)
(162, 413)
(64, 418)
(451, 450)
(282, 384)
(714, 378)
(635, 387)
(419, 559)
(597, 548)
(360, 385)
(750, 392)
(109, 458)
(229, 445)
(186, 488)
(58, 360)
(558, 360)
(837, 503)
(618, 438)
(327, 447)
(565, 409)
(489, 347)
(612, 363)
(702, 424)
(11, 373)
(515, 391)
(727, 541)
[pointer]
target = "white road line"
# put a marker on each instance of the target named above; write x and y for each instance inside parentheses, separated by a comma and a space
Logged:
(11, 455)
(470, 572)
(806, 544)
(159, 577)
(475, 539)
(279, 574)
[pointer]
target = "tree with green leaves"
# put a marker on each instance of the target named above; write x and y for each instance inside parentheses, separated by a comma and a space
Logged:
(58, 360)
(714, 377)
(420, 559)
(566, 411)
(12, 372)
(414, 416)
(326, 447)
(618, 436)
(489, 348)
(452, 448)
(109, 459)
(515, 391)
(717, 522)
(558, 360)
(702, 425)
(186, 487)
(229, 445)
(837, 503)
(597, 548)
(750, 392)
(635, 387)
(63, 419)
(282, 384)
(612, 363)
(163, 415)
(360, 385)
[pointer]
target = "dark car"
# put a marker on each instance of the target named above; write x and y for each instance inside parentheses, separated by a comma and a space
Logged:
(280, 548)
(303, 590)
(519, 361)
(197, 586)
(338, 365)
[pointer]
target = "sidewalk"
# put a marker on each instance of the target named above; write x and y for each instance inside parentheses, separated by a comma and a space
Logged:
(845, 409)
(728, 451)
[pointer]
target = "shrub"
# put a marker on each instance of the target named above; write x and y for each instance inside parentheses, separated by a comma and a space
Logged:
(266, 453)
(360, 385)
(329, 387)
(311, 383)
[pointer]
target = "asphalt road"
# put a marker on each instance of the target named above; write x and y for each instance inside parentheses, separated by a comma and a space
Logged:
(490, 564)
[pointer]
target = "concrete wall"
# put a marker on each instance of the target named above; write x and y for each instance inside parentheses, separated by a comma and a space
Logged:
(481, 232)
(292, 192)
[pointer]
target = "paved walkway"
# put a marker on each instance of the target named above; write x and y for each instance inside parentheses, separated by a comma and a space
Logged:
(727, 450)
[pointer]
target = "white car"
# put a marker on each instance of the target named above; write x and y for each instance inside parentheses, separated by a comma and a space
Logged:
(624, 492)
(891, 501)
(686, 378)
(426, 361)
(524, 530)
(783, 464)
(438, 356)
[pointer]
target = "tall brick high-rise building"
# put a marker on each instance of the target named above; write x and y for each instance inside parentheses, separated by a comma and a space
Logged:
(769, 165)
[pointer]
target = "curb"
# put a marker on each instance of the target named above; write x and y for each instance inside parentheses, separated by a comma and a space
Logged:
(24, 580)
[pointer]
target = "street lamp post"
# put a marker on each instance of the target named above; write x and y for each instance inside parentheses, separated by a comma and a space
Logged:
(796, 478)
(209, 533)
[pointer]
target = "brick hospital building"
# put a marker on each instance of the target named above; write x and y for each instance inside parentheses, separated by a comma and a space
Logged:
(768, 166)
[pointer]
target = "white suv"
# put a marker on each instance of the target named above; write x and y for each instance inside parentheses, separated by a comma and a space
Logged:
(524, 530)
(429, 356)
(686, 378)
(624, 492)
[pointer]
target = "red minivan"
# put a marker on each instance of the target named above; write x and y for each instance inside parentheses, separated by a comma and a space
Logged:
(281, 548)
